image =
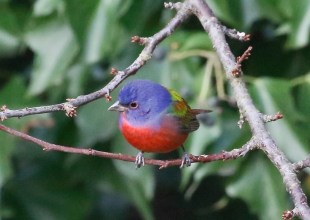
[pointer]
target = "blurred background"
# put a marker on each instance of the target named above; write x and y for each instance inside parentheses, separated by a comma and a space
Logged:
(51, 50)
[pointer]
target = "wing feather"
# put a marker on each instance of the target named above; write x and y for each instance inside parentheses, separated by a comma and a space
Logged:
(185, 116)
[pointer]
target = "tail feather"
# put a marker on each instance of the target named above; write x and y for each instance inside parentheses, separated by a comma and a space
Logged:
(200, 111)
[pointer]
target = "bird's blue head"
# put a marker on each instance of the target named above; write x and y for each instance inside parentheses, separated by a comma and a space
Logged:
(142, 101)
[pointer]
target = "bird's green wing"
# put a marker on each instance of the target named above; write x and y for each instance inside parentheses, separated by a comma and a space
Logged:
(182, 111)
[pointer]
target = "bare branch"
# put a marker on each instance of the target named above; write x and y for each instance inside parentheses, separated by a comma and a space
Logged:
(146, 54)
(234, 34)
(248, 109)
(265, 118)
(302, 164)
(225, 155)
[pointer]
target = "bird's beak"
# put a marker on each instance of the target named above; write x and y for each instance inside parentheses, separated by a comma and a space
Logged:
(117, 107)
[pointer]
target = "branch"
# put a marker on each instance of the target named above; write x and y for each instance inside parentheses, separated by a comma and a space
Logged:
(302, 164)
(248, 109)
(265, 118)
(270, 118)
(237, 71)
(234, 34)
(146, 54)
(289, 214)
(225, 155)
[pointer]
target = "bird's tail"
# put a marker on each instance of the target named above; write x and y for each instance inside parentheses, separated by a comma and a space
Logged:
(200, 111)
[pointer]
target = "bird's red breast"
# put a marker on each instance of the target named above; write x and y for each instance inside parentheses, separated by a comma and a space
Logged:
(163, 139)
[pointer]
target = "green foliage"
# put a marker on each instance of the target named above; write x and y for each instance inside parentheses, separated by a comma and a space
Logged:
(261, 191)
(268, 94)
(17, 89)
(10, 41)
(51, 50)
(54, 45)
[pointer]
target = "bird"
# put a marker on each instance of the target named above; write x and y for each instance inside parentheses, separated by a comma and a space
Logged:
(154, 119)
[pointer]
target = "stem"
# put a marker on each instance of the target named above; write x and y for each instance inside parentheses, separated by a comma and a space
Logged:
(225, 155)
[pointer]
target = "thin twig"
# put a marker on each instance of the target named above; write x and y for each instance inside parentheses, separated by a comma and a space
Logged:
(270, 118)
(237, 70)
(246, 54)
(225, 155)
(213, 63)
(289, 214)
(234, 34)
(302, 164)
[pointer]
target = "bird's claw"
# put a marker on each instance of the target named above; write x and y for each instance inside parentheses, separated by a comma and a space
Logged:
(139, 160)
(186, 161)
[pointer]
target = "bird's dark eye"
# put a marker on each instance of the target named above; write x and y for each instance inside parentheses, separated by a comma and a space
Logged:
(133, 105)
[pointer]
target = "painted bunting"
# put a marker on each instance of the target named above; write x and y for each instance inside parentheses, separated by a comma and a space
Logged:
(154, 119)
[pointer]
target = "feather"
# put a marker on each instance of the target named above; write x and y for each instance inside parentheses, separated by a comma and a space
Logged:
(185, 116)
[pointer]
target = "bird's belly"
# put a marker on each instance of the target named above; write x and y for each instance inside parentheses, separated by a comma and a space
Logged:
(162, 140)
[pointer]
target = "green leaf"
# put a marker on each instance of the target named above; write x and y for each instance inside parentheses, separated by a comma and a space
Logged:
(138, 196)
(96, 26)
(10, 40)
(293, 16)
(261, 186)
(272, 96)
(303, 94)
(95, 123)
(6, 150)
(299, 24)
(138, 16)
(17, 89)
(46, 193)
(54, 44)
(76, 76)
(303, 105)
(47, 7)
(229, 11)
(14, 88)
(188, 40)
(199, 40)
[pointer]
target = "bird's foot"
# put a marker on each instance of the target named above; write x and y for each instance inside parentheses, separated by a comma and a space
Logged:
(186, 161)
(139, 160)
